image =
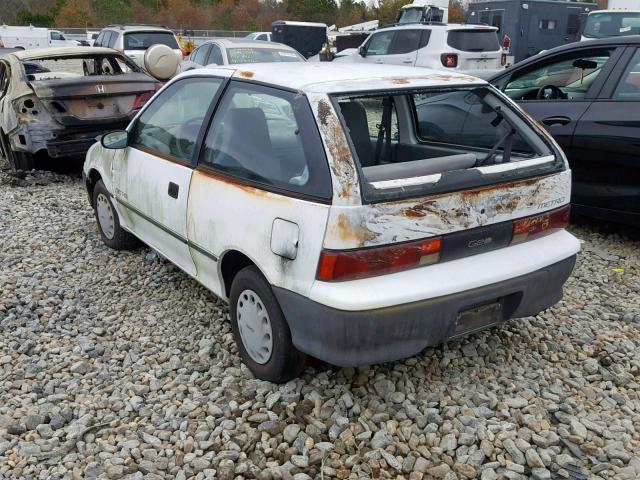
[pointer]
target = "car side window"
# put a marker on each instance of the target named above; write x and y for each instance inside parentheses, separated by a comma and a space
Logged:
(201, 54)
(405, 41)
(629, 86)
(268, 136)
(379, 43)
(99, 40)
(569, 77)
(171, 123)
(262, 36)
(215, 56)
(112, 39)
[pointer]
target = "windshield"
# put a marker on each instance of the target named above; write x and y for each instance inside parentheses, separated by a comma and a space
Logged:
(143, 40)
(262, 55)
(411, 15)
(612, 24)
(52, 68)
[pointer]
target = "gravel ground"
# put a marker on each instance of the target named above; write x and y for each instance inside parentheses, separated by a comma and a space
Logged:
(117, 365)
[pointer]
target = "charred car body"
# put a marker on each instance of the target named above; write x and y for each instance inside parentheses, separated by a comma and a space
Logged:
(57, 101)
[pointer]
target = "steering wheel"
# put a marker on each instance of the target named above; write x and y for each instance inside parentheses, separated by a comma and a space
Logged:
(555, 93)
(184, 146)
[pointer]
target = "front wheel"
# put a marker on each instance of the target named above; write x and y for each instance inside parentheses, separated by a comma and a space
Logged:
(112, 234)
(260, 329)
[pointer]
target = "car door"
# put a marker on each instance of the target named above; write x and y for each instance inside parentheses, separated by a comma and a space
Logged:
(152, 175)
(377, 47)
(606, 169)
(537, 88)
(404, 48)
(262, 188)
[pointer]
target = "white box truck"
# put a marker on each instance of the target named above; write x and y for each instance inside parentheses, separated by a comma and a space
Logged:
(620, 19)
(31, 37)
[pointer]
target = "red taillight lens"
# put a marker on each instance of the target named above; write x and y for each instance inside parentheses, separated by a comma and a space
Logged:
(449, 60)
(335, 265)
(540, 225)
(506, 42)
(141, 100)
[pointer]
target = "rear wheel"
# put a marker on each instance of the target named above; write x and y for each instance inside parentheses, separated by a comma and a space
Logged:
(113, 235)
(260, 329)
(16, 160)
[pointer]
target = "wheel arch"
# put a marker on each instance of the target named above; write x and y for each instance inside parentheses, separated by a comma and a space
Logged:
(90, 182)
(231, 262)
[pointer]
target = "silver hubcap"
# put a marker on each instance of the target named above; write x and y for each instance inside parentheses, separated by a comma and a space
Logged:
(255, 327)
(105, 216)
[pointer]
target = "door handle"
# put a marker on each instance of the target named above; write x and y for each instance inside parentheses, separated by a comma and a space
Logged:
(557, 120)
(408, 61)
(379, 61)
(173, 190)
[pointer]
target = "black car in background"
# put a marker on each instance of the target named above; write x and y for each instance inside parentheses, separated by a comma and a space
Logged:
(587, 95)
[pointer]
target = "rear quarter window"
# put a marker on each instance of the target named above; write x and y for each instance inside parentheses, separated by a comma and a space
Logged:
(473, 40)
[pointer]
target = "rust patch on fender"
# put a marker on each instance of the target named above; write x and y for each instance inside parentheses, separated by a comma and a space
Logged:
(400, 81)
(258, 192)
(246, 73)
(346, 231)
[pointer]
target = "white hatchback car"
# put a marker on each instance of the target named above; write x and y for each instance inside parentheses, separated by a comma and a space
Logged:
(471, 49)
(353, 213)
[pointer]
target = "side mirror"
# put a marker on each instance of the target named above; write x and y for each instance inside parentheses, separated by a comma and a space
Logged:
(161, 62)
(362, 50)
(115, 140)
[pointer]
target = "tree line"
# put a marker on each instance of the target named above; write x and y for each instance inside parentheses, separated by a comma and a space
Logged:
(249, 15)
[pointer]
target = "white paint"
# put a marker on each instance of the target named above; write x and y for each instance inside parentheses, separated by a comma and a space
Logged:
(446, 278)
(407, 182)
(514, 165)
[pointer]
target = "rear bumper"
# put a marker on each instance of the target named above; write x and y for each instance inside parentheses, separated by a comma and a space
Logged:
(352, 338)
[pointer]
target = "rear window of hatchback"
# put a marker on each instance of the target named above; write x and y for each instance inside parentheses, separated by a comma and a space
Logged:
(474, 40)
(143, 40)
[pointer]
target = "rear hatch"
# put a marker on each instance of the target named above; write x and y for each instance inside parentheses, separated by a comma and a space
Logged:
(444, 173)
(75, 101)
(478, 49)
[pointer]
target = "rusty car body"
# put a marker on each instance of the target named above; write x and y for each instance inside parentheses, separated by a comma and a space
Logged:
(333, 212)
(56, 101)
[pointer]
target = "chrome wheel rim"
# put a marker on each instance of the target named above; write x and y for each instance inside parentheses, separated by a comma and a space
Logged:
(254, 325)
(105, 216)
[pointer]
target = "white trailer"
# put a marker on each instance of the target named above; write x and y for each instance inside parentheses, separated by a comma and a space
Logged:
(28, 38)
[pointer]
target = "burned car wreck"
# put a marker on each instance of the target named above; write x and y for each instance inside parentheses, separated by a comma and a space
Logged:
(54, 102)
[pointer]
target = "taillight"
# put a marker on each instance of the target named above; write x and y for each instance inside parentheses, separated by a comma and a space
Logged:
(540, 225)
(335, 265)
(449, 60)
(141, 100)
(506, 42)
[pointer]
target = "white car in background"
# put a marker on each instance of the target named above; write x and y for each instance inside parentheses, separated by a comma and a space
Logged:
(232, 51)
(262, 36)
(470, 49)
(354, 213)
(134, 40)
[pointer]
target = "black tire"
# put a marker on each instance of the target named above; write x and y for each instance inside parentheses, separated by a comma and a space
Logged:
(119, 239)
(285, 361)
(16, 160)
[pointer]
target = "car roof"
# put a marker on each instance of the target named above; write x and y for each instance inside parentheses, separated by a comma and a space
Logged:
(61, 52)
(138, 28)
(433, 25)
(247, 42)
(326, 77)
